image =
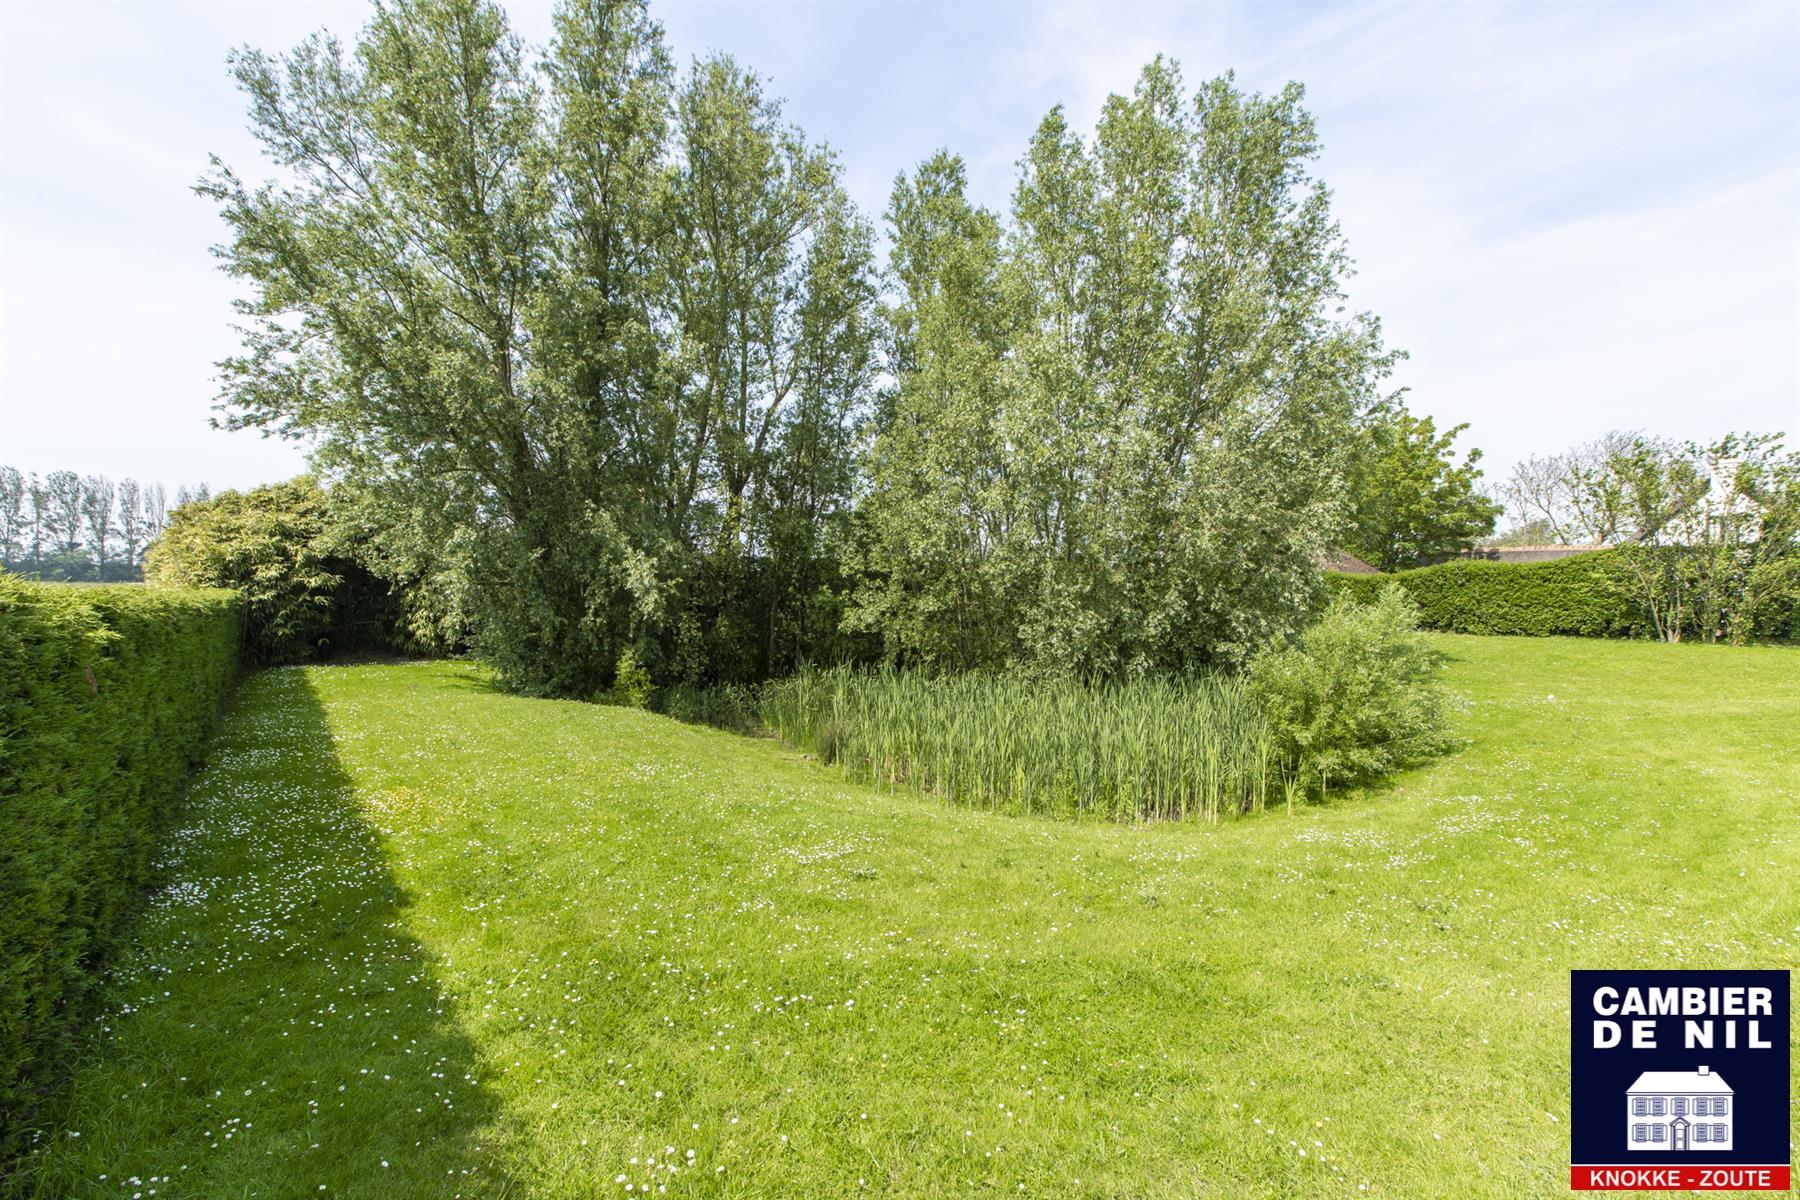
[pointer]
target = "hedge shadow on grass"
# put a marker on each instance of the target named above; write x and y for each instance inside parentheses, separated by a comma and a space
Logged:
(274, 1027)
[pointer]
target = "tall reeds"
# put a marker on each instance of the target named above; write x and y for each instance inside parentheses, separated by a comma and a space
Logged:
(1151, 749)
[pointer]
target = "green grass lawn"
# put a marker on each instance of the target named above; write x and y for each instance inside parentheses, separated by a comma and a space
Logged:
(420, 938)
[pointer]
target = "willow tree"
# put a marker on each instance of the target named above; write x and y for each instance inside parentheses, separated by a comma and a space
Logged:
(1122, 448)
(472, 288)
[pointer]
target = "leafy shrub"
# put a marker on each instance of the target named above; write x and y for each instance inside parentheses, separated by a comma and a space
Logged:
(1357, 694)
(632, 684)
(105, 694)
(1772, 600)
(282, 548)
(1585, 595)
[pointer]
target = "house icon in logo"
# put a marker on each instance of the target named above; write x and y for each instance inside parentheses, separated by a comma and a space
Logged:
(1678, 1110)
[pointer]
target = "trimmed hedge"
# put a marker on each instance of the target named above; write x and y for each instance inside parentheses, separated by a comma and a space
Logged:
(105, 694)
(1585, 595)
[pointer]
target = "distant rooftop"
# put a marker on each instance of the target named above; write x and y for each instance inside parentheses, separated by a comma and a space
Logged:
(1527, 553)
(1343, 560)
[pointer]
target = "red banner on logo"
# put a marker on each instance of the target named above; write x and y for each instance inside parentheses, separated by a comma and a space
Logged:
(1681, 1178)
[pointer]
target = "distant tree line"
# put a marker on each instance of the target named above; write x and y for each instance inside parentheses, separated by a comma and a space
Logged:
(1632, 488)
(68, 526)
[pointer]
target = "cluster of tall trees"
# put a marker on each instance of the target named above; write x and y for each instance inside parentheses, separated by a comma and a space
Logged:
(588, 342)
(602, 355)
(80, 527)
(1118, 437)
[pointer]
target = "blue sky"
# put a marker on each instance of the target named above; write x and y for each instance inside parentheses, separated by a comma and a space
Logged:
(1573, 217)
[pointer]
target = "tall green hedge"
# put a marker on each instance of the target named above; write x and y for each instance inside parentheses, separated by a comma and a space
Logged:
(1584, 595)
(105, 694)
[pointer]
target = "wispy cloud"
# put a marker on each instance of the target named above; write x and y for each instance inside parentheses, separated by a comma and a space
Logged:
(1574, 217)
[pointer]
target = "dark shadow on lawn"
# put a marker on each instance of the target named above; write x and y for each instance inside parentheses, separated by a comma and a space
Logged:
(273, 994)
(481, 679)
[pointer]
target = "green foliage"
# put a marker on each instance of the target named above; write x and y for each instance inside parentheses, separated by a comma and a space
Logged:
(1772, 601)
(105, 693)
(1115, 442)
(1695, 520)
(1711, 592)
(632, 685)
(588, 340)
(732, 706)
(1410, 500)
(1584, 595)
(1536, 531)
(1144, 749)
(79, 567)
(283, 549)
(1357, 694)
(597, 342)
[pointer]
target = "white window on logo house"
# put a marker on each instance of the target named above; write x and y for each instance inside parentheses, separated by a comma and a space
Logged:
(1677, 1094)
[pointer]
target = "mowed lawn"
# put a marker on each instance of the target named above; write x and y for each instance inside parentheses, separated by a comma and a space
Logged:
(420, 938)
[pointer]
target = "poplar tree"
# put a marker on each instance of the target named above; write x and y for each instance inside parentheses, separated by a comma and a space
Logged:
(1116, 442)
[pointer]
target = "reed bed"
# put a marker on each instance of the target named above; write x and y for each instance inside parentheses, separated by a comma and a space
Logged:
(730, 706)
(1142, 750)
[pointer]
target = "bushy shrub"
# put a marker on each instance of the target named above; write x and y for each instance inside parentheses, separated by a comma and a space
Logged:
(632, 685)
(1585, 595)
(105, 694)
(1357, 694)
(283, 549)
(1772, 601)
